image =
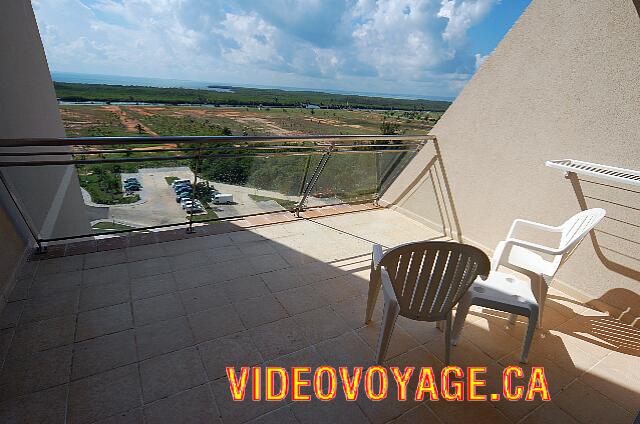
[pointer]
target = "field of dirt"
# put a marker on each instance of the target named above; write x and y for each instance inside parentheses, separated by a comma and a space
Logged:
(108, 120)
(131, 124)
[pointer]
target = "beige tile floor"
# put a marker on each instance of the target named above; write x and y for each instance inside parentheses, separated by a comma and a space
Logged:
(142, 334)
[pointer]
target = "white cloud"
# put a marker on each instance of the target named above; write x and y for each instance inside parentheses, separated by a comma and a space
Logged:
(253, 40)
(461, 15)
(364, 45)
(480, 59)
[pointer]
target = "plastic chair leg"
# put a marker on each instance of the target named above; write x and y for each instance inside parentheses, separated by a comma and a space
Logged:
(374, 290)
(447, 340)
(540, 291)
(391, 311)
(528, 338)
(461, 315)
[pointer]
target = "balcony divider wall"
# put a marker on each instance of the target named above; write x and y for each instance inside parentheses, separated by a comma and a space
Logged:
(28, 108)
(562, 84)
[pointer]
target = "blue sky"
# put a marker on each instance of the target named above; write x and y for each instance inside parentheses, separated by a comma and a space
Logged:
(412, 47)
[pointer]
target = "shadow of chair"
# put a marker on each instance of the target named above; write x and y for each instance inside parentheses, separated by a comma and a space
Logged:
(612, 330)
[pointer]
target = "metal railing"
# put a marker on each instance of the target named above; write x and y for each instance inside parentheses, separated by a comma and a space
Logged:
(199, 150)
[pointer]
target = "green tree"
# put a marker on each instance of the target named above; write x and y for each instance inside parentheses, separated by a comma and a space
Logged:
(389, 128)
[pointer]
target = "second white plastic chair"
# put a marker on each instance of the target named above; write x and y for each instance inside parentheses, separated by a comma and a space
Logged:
(506, 293)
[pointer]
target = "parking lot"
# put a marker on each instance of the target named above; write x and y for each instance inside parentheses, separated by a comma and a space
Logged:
(157, 205)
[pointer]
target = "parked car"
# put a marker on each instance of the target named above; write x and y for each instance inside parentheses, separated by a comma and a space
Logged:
(194, 208)
(179, 182)
(185, 193)
(182, 184)
(131, 179)
(132, 187)
(181, 196)
(182, 189)
(185, 203)
(219, 199)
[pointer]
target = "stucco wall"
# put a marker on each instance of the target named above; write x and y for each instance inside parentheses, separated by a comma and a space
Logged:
(28, 108)
(563, 83)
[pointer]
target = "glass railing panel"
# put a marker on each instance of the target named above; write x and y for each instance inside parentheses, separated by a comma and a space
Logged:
(130, 194)
(258, 184)
(130, 185)
(357, 177)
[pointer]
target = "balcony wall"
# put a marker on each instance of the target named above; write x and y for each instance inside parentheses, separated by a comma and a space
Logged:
(563, 83)
(28, 108)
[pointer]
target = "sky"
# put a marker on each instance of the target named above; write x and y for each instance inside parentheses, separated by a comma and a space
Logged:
(403, 47)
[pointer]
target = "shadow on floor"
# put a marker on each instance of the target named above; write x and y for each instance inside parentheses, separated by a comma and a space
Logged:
(147, 331)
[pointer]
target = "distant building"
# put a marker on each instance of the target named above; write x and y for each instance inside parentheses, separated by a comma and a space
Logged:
(310, 106)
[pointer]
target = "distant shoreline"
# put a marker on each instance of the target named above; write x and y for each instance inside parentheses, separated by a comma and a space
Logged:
(80, 78)
(225, 95)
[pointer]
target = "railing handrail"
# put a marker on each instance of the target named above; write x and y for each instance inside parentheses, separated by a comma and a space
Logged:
(197, 139)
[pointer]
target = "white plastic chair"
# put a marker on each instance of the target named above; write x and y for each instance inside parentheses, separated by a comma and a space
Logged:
(506, 293)
(422, 281)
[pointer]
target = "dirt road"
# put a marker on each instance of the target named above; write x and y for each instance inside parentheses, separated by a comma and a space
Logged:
(131, 124)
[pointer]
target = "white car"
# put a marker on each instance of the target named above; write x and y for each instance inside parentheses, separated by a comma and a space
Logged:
(188, 203)
(178, 182)
(195, 208)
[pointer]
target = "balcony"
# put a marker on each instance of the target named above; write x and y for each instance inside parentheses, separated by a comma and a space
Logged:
(139, 324)
(115, 309)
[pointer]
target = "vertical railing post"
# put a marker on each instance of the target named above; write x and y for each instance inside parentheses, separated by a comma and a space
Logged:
(304, 177)
(314, 178)
(190, 229)
(378, 180)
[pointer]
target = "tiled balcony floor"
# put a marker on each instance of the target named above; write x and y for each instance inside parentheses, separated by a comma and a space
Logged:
(142, 334)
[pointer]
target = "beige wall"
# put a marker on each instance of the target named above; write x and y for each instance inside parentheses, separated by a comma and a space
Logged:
(28, 108)
(564, 83)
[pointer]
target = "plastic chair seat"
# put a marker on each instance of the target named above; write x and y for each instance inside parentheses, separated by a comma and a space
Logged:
(502, 292)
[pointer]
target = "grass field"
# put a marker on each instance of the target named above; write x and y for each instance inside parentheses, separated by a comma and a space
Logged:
(347, 175)
(210, 214)
(110, 120)
(287, 204)
(103, 184)
(237, 96)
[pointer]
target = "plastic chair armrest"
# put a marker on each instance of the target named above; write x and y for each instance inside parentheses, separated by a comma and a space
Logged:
(524, 223)
(387, 287)
(376, 255)
(532, 246)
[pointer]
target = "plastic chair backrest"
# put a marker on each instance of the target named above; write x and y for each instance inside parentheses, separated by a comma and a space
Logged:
(574, 230)
(430, 277)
